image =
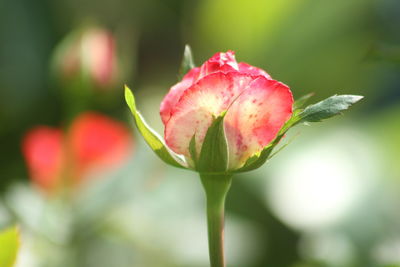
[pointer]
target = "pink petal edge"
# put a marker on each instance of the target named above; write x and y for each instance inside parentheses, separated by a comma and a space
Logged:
(255, 118)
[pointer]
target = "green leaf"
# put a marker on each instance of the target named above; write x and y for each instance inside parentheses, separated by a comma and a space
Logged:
(299, 103)
(152, 138)
(187, 62)
(327, 108)
(214, 151)
(9, 245)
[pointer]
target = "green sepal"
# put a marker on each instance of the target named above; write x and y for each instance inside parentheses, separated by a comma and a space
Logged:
(328, 108)
(300, 102)
(150, 136)
(9, 245)
(187, 62)
(193, 150)
(214, 151)
(258, 159)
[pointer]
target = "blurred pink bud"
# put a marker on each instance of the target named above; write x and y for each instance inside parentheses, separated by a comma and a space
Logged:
(92, 52)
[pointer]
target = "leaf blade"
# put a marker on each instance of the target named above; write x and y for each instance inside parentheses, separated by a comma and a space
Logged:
(187, 62)
(9, 245)
(328, 108)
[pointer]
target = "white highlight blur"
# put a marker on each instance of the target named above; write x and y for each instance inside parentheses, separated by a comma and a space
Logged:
(320, 183)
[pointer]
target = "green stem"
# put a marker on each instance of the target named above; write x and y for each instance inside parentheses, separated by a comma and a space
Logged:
(216, 188)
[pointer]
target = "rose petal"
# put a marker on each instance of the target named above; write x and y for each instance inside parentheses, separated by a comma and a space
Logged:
(175, 94)
(193, 114)
(220, 62)
(251, 70)
(255, 118)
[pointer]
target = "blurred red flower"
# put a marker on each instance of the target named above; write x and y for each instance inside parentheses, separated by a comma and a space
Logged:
(96, 141)
(93, 143)
(43, 152)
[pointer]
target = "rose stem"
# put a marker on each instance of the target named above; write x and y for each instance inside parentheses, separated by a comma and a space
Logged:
(216, 188)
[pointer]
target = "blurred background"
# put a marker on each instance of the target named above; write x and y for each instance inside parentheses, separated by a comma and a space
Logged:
(87, 191)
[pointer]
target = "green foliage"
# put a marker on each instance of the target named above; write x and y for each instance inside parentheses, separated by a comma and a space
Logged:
(152, 138)
(327, 108)
(187, 62)
(214, 151)
(9, 244)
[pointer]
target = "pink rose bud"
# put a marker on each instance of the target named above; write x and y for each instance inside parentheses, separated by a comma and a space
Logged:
(226, 117)
(91, 52)
(256, 107)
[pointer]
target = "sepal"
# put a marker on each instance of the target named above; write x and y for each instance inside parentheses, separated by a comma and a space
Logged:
(214, 151)
(187, 62)
(9, 246)
(300, 102)
(155, 142)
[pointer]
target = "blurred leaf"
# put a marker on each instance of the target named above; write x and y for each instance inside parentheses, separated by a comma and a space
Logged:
(310, 264)
(327, 108)
(151, 137)
(214, 151)
(9, 244)
(187, 62)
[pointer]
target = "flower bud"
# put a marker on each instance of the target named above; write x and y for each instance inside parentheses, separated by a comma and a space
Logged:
(226, 117)
(256, 108)
(88, 53)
